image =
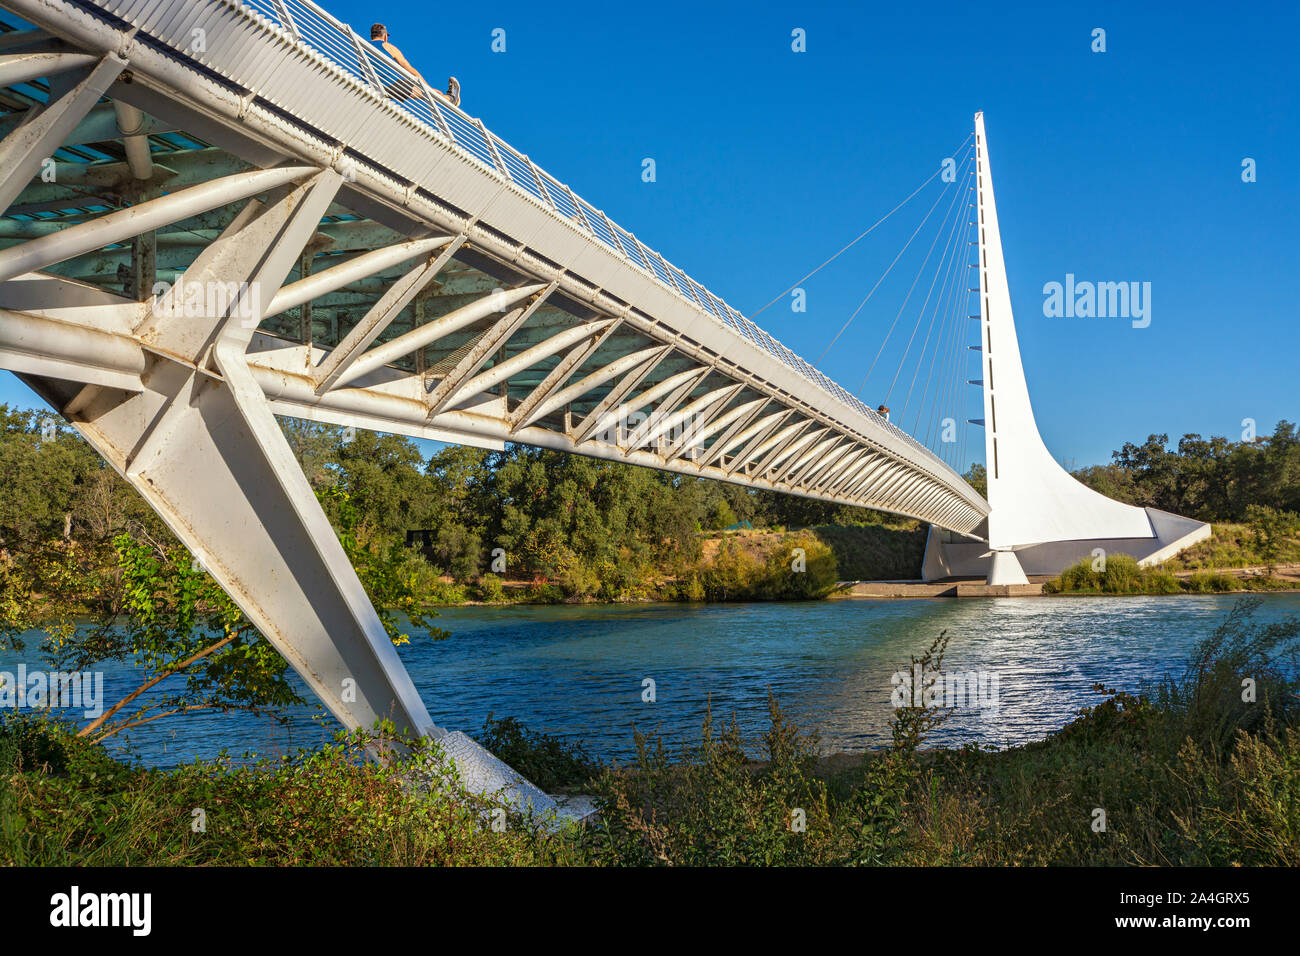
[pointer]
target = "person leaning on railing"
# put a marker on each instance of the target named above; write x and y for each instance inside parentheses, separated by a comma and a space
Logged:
(403, 88)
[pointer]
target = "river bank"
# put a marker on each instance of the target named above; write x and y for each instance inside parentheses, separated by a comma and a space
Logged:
(879, 561)
(1186, 775)
(1230, 580)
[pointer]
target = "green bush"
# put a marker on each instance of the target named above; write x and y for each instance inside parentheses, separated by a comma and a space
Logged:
(802, 568)
(1212, 581)
(1160, 581)
(490, 589)
(723, 516)
(1121, 575)
(545, 760)
(64, 802)
(444, 592)
(542, 591)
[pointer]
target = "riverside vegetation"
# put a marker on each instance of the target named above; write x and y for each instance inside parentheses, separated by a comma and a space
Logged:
(570, 528)
(74, 539)
(1189, 772)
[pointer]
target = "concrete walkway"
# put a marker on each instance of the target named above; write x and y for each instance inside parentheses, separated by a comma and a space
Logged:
(950, 587)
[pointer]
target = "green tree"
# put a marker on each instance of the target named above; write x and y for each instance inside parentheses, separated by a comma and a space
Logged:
(802, 568)
(192, 646)
(723, 516)
(382, 475)
(315, 445)
(1273, 530)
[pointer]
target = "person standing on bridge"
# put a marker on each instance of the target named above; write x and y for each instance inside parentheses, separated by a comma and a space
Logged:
(404, 89)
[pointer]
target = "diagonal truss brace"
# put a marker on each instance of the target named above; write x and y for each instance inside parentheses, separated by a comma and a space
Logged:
(446, 391)
(43, 129)
(555, 379)
(201, 431)
(596, 418)
(732, 420)
(390, 304)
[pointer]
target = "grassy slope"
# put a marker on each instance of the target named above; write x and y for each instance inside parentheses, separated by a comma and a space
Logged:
(1231, 546)
(862, 552)
(876, 552)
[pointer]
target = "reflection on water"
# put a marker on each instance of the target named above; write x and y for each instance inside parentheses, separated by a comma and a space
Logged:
(577, 672)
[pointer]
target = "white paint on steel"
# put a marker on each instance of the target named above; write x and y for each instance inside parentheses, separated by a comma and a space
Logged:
(1033, 499)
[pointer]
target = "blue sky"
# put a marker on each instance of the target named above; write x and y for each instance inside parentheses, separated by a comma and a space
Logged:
(1123, 165)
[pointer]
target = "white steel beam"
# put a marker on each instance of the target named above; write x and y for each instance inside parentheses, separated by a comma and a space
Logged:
(666, 423)
(562, 372)
(494, 338)
(682, 385)
(756, 439)
(43, 129)
(381, 314)
(593, 380)
(803, 478)
(807, 456)
(403, 345)
(201, 432)
(127, 223)
(28, 65)
(367, 264)
(589, 425)
(784, 448)
(732, 419)
(525, 359)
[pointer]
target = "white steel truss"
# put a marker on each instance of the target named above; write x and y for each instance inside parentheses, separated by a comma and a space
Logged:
(217, 245)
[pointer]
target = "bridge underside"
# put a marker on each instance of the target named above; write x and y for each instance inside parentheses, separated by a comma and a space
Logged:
(426, 325)
(181, 261)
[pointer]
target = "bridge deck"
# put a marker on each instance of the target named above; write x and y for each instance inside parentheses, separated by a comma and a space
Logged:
(525, 315)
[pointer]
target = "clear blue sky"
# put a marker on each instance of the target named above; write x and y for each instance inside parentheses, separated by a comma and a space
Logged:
(1124, 165)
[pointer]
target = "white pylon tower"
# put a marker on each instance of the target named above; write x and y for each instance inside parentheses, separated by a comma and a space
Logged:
(1039, 511)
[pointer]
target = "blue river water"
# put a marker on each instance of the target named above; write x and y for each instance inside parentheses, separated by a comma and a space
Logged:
(579, 672)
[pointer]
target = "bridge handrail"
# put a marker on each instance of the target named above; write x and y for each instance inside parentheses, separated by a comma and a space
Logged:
(315, 28)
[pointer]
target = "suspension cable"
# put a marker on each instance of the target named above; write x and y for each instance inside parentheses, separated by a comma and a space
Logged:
(862, 236)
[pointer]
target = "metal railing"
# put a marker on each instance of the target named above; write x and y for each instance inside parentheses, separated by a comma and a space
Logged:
(329, 37)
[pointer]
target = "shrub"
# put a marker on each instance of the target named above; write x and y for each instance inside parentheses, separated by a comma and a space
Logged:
(1121, 575)
(438, 591)
(1243, 677)
(1160, 581)
(781, 579)
(545, 760)
(490, 589)
(542, 591)
(1212, 581)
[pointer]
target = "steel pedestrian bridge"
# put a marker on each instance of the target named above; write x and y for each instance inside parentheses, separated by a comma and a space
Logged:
(216, 213)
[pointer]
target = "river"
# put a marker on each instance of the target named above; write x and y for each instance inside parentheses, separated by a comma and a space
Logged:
(579, 672)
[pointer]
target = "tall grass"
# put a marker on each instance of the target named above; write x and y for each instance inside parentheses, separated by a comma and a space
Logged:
(1122, 575)
(1118, 574)
(1202, 769)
